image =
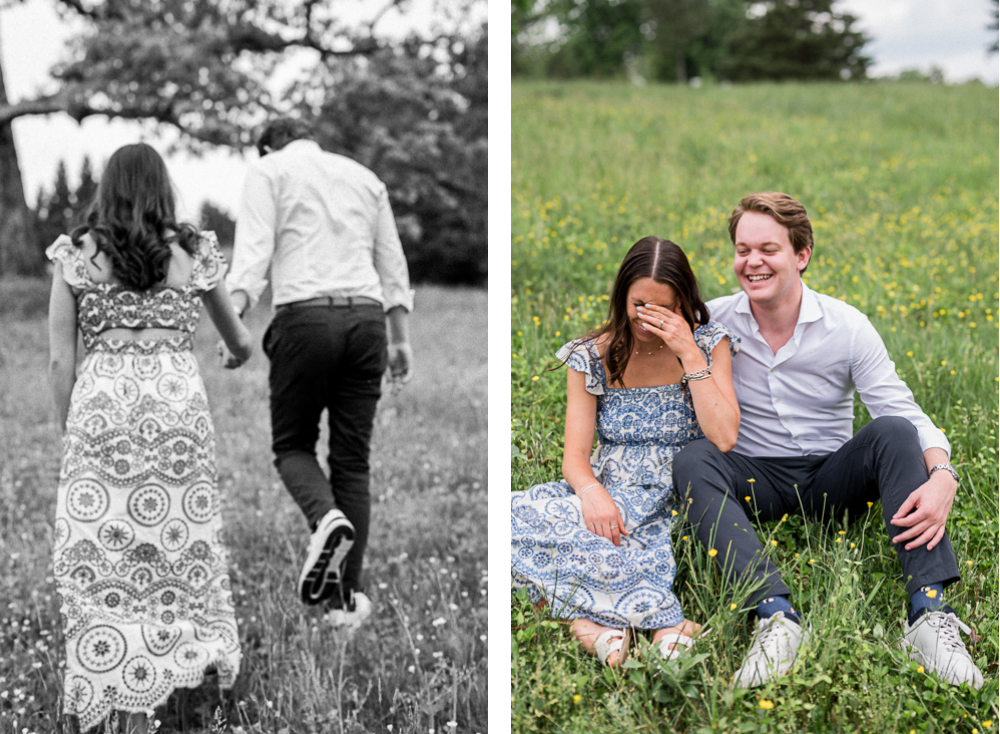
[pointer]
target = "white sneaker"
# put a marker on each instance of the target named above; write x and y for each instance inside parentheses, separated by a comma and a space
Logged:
(934, 642)
(324, 567)
(773, 651)
(356, 610)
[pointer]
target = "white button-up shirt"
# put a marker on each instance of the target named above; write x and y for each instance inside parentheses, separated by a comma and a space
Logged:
(321, 223)
(800, 401)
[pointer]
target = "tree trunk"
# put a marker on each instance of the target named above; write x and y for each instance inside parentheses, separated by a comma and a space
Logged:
(19, 253)
(682, 73)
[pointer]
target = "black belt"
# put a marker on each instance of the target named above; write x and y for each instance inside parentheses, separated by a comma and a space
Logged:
(330, 302)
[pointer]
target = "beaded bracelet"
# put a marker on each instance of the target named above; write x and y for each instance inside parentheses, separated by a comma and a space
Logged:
(702, 374)
(587, 489)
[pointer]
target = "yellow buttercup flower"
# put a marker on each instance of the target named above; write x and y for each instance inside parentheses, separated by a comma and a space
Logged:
(920, 668)
(713, 553)
(577, 698)
(732, 607)
(765, 704)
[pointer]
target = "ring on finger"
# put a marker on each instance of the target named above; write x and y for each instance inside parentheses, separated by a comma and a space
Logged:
(661, 323)
(614, 527)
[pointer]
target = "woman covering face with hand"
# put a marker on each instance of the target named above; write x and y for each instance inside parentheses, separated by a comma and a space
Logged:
(596, 547)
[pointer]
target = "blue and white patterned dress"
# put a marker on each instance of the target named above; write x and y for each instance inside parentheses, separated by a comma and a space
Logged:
(140, 567)
(581, 574)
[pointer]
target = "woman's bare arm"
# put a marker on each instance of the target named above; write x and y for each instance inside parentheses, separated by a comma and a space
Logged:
(62, 344)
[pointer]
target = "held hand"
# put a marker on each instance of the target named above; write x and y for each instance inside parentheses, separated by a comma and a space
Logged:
(400, 363)
(670, 327)
(227, 359)
(601, 515)
(925, 512)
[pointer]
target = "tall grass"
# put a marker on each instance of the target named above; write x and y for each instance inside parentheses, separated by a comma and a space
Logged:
(418, 665)
(901, 185)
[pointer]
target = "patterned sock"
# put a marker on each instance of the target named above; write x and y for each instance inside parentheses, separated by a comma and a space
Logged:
(929, 597)
(774, 604)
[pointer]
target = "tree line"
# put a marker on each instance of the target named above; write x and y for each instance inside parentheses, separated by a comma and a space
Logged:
(680, 40)
(413, 110)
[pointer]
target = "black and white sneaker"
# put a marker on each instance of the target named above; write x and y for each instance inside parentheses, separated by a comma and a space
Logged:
(324, 567)
(352, 613)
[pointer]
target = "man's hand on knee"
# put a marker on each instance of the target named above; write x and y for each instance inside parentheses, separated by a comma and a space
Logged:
(925, 512)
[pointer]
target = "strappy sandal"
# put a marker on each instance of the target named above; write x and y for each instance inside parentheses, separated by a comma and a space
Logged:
(609, 642)
(674, 638)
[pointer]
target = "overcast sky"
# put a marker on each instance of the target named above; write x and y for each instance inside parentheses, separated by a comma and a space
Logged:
(906, 34)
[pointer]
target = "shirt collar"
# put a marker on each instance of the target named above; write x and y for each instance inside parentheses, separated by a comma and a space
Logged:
(809, 308)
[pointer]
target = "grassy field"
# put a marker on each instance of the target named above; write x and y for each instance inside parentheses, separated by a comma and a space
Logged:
(901, 185)
(420, 663)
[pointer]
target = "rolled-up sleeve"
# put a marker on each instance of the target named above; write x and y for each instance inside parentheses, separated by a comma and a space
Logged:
(390, 263)
(255, 234)
(883, 393)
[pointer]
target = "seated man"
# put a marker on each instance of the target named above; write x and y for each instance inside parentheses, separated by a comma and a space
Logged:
(803, 356)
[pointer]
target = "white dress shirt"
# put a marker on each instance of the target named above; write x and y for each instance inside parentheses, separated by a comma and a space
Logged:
(323, 226)
(800, 401)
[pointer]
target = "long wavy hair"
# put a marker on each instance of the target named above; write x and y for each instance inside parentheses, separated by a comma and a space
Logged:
(665, 263)
(133, 220)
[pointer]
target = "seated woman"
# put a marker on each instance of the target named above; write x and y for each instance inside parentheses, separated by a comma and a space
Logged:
(596, 547)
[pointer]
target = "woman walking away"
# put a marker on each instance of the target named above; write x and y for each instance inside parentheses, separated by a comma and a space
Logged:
(140, 569)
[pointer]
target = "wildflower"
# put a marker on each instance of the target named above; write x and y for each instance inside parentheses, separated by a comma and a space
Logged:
(747, 498)
(732, 607)
(713, 553)
(968, 563)
(577, 698)
(909, 354)
(686, 537)
(751, 480)
(920, 668)
(765, 704)
(784, 517)
(774, 543)
(987, 724)
(535, 378)
(841, 532)
(852, 545)
(870, 504)
(674, 513)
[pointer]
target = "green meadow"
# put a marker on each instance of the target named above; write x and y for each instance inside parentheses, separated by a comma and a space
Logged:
(901, 185)
(418, 665)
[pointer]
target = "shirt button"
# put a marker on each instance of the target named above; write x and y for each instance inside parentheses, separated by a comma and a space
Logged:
(786, 420)
(777, 400)
(772, 369)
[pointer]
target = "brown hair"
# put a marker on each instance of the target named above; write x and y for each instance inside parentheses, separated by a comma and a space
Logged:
(785, 210)
(664, 262)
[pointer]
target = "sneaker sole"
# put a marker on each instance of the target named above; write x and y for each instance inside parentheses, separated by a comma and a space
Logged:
(321, 576)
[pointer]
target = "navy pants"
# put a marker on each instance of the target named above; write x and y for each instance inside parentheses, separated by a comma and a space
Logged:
(327, 357)
(883, 461)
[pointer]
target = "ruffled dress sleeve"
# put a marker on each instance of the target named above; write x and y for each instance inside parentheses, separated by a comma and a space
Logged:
(70, 257)
(584, 357)
(708, 336)
(209, 263)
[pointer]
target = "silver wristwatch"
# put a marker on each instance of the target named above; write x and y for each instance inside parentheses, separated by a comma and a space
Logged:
(948, 468)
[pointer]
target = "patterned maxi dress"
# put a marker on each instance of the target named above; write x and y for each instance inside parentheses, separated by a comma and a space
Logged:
(579, 573)
(140, 568)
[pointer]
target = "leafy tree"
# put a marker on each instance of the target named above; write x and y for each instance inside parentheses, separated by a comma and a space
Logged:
(218, 220)
(598, 36)
(55, 212)
(677, 24)
(87, 189)
(796, 39)
(205, 67)
(995, 25)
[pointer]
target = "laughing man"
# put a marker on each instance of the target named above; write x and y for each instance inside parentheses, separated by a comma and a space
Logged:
(803, 357)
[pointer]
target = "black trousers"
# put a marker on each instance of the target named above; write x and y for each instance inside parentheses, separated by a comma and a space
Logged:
(883, 461)
(327, 357)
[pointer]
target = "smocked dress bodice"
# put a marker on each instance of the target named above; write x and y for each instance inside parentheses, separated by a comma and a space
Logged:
(105, 306)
